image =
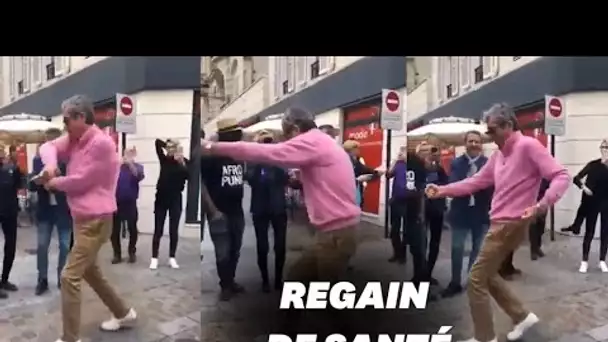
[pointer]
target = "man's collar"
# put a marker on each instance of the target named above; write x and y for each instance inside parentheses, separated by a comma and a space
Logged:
(87, 135)
(510, 142)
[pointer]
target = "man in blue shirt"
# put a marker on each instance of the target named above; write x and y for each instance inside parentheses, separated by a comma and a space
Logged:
(127, 192)
(51, 211)
(468, 214)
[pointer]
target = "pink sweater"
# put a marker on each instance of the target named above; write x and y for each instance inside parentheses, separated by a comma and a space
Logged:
(92, 172)
(516, 172)
(326, 173)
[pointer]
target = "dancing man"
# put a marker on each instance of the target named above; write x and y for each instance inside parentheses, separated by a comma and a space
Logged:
(90, 187)
(127, 192)
(328, 181)
(516, 171)
(51, 211)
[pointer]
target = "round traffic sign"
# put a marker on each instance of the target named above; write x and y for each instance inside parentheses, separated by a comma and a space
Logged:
(392, 101)
(126, 105)
(555, 108)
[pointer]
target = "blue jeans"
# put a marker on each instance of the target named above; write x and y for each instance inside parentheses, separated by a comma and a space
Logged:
(459, 236)
(63, 222)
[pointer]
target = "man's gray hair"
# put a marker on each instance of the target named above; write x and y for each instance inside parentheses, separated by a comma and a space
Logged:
(503, 113)
(80, 105)
(300, 117)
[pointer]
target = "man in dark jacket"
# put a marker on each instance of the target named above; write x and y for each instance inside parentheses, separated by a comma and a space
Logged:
(468, 214)
(127, 192)
(11, 180)
(269, 207)
(223, 179)
(51, 211)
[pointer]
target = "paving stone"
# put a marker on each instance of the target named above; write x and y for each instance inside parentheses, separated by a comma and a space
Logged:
(160, 297)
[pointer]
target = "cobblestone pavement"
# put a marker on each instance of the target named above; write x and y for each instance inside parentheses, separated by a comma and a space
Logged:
(167, 300)
(573, 307)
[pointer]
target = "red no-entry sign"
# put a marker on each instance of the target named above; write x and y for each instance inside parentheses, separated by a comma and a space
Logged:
(126, 105)
(392, 101)
(555, 107)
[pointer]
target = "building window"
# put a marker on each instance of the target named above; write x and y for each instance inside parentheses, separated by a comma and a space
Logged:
(301, 71)
(11, 77)
(452, 76)
(291, 72)
(50, 70)
(20, 87)
(516, 58)
(314, 68)
(477, 64)
(26, 73)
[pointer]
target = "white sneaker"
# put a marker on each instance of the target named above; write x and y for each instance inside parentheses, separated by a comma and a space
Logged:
(173, 263)
(523, 326)
(114, 324)
(474, 340)
(603, 267)
(153, 263)
(584, 267)
(60, 340)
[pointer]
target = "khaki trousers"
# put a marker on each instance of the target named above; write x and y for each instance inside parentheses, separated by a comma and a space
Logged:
(327, 258)
(89, 236)
(484, 280)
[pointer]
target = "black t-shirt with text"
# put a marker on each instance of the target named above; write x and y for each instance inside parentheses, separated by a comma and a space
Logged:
(223, 177)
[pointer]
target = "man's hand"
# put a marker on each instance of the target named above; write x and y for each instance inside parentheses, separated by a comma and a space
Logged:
(364, 178)
(433, 191)
(49, 185)
(587, 191)
(532, 212)
(206, 147)
(216, 215)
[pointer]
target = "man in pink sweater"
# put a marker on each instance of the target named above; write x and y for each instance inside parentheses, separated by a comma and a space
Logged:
(516, 171)
(328, 183)
(90, 187)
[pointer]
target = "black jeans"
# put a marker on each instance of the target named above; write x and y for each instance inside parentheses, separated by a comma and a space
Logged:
(127, 212)
(594, 208)
(9, 229)
(227, 237)
(163, 205)
(581, 212)
(434, 220)
(537, 229)
(414, 231)
(261, 223)
(398, 237)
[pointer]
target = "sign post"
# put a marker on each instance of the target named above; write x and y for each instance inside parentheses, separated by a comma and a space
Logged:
(555, 126)
(391, 118)
(126, 121)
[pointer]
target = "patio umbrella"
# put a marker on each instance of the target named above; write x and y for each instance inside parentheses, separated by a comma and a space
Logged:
(448, 130)
(26, 128)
